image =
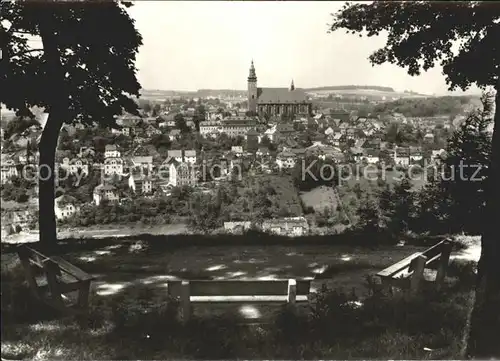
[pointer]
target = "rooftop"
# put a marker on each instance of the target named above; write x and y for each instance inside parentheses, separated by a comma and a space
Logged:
(142, 159)
(280, 95)
(104, 187)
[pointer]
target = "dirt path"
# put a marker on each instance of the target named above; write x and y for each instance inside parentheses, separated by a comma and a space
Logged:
(118, 231)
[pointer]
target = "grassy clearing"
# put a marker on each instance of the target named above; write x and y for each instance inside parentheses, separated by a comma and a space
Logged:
(320, 198)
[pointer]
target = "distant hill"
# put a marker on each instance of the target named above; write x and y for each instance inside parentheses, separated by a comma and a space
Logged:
(352, 87)
(371, 91)
(203, 93)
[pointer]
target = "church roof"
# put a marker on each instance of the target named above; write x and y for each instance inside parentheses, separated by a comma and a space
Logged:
(280, 95)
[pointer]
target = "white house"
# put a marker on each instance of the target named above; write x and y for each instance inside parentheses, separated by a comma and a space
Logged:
(372, 156)
(182, 156)
(142, 162)
(210, 128)
(111, 151)
(65, 207)
(141, 183)
(181, 174)
(8, 169)
(288, 226)
(175, 154)
(105, 192)
(286, 159)
(113, 166)
(272, 134)
(335, 139)
(415, 155)
(78, 166)
(401, 157)
(174, 134)
(190, 156)
(237, 150)
(429, 137)
(237, 226)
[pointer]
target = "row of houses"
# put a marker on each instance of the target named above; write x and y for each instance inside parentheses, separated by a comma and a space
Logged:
(287, 226)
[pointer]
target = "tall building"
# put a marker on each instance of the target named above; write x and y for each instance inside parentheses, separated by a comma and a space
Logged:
(276, 101)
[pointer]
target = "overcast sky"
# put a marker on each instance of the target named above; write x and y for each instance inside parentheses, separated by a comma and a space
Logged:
(190, 45)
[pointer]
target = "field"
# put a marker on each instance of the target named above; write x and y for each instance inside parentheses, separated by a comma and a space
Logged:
(320, 198)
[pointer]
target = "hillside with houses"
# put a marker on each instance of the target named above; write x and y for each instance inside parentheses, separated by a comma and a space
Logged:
(180, 150)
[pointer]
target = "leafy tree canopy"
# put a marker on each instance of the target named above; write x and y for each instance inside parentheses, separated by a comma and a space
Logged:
(98, 63)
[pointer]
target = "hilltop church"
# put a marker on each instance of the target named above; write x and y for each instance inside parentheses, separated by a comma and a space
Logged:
(276, 101)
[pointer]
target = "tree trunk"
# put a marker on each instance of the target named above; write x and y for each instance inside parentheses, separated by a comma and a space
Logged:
(47, 217)
(485, 321)
(57, 108)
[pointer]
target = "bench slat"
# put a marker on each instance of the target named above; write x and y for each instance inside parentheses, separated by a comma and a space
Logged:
(428, 263)
(243, 299)
(71, 269)
(395, 268)
(64, 287)
(239, 287)
(434, 250)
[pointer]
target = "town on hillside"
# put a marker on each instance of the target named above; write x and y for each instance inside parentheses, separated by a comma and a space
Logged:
(181, 150)
(239, 180)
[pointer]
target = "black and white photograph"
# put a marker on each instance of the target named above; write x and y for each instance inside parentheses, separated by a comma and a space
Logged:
(260, 180)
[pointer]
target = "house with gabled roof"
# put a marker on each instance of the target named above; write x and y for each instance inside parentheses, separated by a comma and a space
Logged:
(151, 131)
(105, 192)
(371, 156)
(138, 181)
(174, 134)
(286, 159)
(111, 151)
(65, 207)
(181, 174)
(142, 162)
(288, 226)
(8, 169)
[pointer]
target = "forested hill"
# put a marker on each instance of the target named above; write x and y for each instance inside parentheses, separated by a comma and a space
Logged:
(427, 107)
(352, 87)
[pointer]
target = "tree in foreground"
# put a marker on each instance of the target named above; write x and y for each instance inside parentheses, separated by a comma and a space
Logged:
(83, 72)
(419, 35)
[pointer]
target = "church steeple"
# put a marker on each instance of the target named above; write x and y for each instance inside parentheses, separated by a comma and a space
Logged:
(292, 87)
(252, 77)
(252, 89)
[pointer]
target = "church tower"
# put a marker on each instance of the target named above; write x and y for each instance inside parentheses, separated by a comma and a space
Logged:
(292, 87)
(252, 89)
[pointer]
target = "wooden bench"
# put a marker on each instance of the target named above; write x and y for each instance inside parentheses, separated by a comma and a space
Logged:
(58, 278)
(238, 291)
(409, 272)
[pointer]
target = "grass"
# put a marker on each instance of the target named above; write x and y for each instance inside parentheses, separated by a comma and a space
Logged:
(320, 198)
(132, 318)
(139, 324)
(129, 263)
